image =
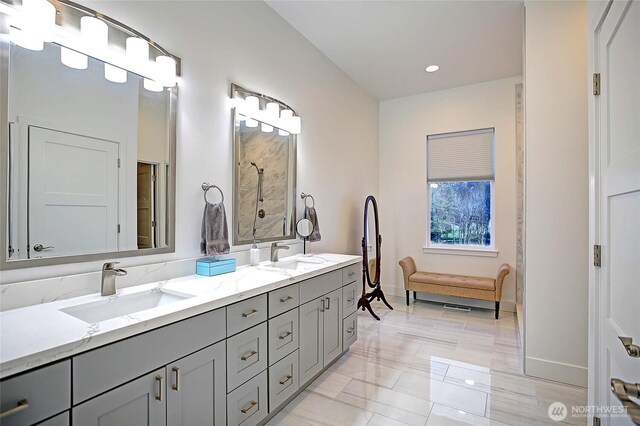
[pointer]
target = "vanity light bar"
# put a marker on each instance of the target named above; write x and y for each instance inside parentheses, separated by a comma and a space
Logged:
(249, 109)
(34, 23)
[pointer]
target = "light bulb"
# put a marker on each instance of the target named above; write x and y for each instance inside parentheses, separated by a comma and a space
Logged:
(266, 128)
(73, 59)
(115, 74)
(39, 21)
(252, 103)
(296, 125)
(152, 86)
(25, 39)
(94, 33)
(250, 122)
(283, 132)
(166, 68)
(273, 109)
(137, 53)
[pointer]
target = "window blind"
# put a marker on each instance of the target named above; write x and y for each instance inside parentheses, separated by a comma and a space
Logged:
(461, 156)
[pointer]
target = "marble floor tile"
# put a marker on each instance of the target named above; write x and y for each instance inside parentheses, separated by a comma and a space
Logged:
(389, 397)
(426, 365)
(446, 416)
(448, 394)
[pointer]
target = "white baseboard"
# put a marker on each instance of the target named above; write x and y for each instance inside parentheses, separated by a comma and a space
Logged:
(556, 371)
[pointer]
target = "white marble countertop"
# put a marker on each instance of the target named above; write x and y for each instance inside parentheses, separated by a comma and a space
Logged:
(40, 334)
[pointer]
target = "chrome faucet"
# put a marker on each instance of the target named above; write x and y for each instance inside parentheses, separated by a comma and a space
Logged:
(109, 274)
(274, 250)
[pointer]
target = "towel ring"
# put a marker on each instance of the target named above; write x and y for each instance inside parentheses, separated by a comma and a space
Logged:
(305, 196)
(206, 187)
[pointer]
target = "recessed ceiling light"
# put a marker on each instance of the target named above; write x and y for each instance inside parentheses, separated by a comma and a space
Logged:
(432, 68)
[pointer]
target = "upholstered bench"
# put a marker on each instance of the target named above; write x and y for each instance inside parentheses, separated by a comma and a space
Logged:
(453, 285)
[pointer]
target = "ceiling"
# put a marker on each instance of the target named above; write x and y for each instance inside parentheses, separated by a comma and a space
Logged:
(385, 45)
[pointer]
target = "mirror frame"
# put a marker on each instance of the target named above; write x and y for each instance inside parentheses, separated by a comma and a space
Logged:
(236, 177)
(5, 168)
(365, 256)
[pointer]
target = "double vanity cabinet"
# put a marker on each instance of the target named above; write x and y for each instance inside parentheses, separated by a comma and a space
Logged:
(235, 365)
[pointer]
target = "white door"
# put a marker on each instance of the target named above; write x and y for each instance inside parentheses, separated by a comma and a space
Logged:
(73, 194)
(617, 118)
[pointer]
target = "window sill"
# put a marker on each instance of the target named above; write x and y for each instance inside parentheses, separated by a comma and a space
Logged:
(461, 251)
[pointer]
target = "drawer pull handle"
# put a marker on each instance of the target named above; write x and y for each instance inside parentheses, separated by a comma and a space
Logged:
(285, 335)
(160, 381)
(248, 314)
(350, 330)
(350, 300)
(246, 357)
(252, 404)
(328, 303)
(285, 299)
(286, 379)
(176, 385)
(322, 305)
(351, 274)
(20, 406)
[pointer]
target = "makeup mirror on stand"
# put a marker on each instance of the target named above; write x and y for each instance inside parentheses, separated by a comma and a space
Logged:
(304, 228)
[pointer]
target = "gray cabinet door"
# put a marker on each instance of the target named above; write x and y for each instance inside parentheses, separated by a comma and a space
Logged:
(332, 345)
(196, 391)
(137, 403)
(311, 339)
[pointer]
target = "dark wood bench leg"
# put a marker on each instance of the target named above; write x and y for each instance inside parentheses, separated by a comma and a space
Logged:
(414, 295)
(497, 309)
(407, 297)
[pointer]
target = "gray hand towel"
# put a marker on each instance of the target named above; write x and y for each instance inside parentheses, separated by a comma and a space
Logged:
(214, 234)
(310, 213)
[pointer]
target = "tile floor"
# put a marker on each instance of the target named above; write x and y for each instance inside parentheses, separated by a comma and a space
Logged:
(426, 365)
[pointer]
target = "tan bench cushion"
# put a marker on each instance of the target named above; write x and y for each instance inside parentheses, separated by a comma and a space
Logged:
(478, 283)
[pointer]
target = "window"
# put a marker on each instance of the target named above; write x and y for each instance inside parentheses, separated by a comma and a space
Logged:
(460, 177)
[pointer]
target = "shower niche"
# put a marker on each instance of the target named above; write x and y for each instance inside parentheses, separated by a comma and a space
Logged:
(264, 207)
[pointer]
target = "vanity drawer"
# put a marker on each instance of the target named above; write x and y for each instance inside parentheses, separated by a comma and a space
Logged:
(283, 335)
(246, 355)
(105, 368)
(319, 286)
(349, 330)
(247, 405)
(283, 380)
(246, 314)
(350, 273)
(42, 392)
(283, 299)
(62, 419)
(349, 299)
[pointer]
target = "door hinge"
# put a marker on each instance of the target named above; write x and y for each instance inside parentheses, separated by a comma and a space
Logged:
(596, 83)
(118, 163)
(118, 228)
(153, 178)
(153, 223)
(597, 255)
(596, 421)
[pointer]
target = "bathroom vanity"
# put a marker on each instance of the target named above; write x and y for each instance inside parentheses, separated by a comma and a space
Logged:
(234, 348)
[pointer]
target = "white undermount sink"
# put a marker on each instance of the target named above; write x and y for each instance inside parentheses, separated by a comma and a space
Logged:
(115, 307)
(294, 264)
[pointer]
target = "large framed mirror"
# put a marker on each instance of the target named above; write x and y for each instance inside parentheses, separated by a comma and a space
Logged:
(264, 189)
(90, 163)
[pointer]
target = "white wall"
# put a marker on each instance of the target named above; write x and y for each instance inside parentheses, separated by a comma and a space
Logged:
(557, 248)
(249, 44)
(404, 126)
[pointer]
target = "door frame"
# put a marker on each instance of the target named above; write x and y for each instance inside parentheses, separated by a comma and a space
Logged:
(597, 12)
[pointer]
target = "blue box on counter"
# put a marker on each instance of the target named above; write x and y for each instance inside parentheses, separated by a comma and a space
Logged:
(210, 266)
